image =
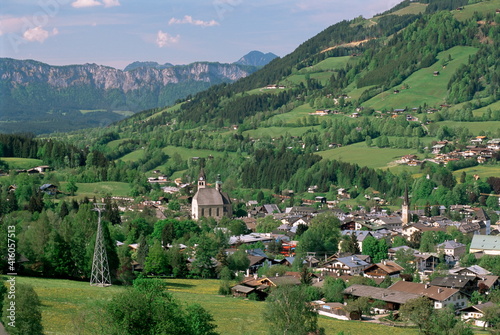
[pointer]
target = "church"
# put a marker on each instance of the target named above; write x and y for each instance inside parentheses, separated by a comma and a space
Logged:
(210, 202)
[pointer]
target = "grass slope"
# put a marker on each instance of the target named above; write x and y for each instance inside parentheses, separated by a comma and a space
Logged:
(21, 163)
(100, 189)
(65, 303)
(424, 87)
(362, 155)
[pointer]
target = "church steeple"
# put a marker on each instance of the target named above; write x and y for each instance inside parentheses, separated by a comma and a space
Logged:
(405, 209)
(202, 179)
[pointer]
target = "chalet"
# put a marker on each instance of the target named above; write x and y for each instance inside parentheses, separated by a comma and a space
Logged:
(474, 314)
(280, 281)
(393, 299)
(383, 269)
(390, 222)
(426, 263)
(436, 149)
(391, 252)
(478, 139)
(49, 189)
(351, 265)
(474, 270)
(494, 144)
(470, 227)
(488, 283)
(487, 244)
(441, 296)
(466, 284)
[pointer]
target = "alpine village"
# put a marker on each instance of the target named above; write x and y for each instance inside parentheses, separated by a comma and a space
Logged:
(349, 187)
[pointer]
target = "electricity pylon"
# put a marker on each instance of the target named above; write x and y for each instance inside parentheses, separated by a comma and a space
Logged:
(100, 269)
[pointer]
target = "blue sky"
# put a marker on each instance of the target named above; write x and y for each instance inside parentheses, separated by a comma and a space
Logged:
(118, 32)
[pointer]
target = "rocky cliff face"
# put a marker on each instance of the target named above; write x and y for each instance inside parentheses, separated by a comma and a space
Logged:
(23, 73)
(41, 98)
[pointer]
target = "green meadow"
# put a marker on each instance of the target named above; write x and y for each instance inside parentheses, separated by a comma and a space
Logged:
(331, 63)
(21, 163)
(483, 171)
(100, 189)
(424, 87)
(474, 127)
(277, 131)
(483, 7)
(67, 304)
(362, 155)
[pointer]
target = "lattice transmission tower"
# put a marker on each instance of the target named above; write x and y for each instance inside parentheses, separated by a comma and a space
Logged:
(100, 269)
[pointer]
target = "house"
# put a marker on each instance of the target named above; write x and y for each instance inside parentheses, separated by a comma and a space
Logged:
(393, 299)
(488, 283)
(49, 189)
(351, 265)
(390, 222)
(487, 244)
(360, 236)
(466, 284)
(426, 262)
(210, 202)
(452, 250)
(441, 296)
(391, 252)
(474, 270)
(383, 269)
(474, 314)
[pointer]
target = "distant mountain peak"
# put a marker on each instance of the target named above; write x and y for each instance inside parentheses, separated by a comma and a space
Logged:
(256, 58)
(155, 65)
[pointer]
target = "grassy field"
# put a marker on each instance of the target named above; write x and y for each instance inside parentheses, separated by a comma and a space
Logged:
(100, 189)
(482, 7)
(21, 163)
(424, 87)
(413, 8)
(483, 171)
(187, 153)
(133, 156)
(66, 302)
(362, 155)
(331, 63)
(474, 127)
(277, 131)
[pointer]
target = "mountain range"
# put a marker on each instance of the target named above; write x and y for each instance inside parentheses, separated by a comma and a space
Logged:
(41, 98)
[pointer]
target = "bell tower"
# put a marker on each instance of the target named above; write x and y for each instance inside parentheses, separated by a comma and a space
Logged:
(405, 209)
(202, 179)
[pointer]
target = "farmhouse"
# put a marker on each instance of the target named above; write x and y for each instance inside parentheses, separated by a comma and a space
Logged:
(392, 298)
(441, 296)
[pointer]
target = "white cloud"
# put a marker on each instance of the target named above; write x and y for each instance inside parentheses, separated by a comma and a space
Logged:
(85, 3)
(10, 24)
(189, 20)
(38, 34)
(164, 39)
(111, 3)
